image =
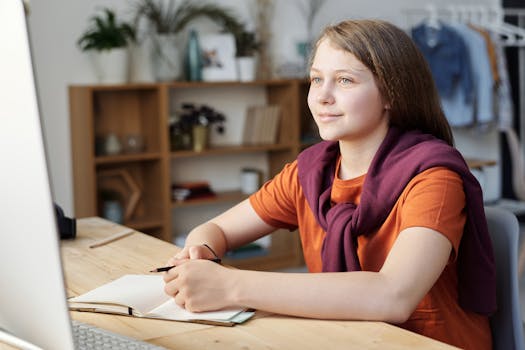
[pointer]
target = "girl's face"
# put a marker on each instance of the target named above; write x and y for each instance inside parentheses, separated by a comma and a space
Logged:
(344, 98)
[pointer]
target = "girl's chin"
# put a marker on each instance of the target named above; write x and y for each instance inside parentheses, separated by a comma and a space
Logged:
(331, 133)
(330, 136)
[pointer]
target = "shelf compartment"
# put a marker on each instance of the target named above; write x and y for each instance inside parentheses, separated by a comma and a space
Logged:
(126, 112)
(221, 197)
(147, 209)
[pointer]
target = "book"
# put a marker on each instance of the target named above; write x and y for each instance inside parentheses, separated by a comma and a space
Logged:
(261, 125)
(191, 190)
(143, 296)
(249, 122)
(272, 116)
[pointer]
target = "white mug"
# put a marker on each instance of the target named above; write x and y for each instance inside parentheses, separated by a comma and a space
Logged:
(250, 180)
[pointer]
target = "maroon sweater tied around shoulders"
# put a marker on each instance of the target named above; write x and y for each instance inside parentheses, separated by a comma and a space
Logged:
(400, 157)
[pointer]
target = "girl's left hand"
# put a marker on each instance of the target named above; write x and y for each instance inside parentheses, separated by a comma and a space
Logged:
(200, 285)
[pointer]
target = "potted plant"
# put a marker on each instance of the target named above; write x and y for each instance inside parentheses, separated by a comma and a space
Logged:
(195, 121)
(247, 44)
(166, 19)
(107, 40)
(247, 47)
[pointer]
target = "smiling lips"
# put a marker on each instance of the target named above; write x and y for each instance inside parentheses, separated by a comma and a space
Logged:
(328, 117)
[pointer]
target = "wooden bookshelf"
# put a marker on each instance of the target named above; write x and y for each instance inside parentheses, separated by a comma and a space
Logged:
(143, 109)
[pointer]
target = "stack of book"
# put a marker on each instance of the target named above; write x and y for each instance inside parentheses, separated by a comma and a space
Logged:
(261, 125)
(191, 190)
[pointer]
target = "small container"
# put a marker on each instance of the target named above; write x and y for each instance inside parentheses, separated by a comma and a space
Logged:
(200, 137)
(133, 143)
(250, 180)
(112, 145)
(113, 211)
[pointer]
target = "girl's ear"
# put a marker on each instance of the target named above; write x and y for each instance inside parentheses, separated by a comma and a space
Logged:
(387, 106)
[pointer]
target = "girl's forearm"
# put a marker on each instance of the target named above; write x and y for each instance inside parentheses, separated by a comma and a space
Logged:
(346, 295)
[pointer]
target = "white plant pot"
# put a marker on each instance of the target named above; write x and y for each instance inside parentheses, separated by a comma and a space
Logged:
(247, 68)
(166, 57)
(111, 66)
(140, 67)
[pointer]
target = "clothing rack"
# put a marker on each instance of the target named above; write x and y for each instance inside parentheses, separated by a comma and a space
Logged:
(477, 12)
(497, 20)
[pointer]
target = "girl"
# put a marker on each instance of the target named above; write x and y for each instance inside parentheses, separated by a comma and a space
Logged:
(391, 220)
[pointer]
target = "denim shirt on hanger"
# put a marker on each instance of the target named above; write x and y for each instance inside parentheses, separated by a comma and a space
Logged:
(447, 56)
(483, 81)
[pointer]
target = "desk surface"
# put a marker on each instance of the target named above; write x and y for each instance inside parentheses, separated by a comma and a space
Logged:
(86, 268)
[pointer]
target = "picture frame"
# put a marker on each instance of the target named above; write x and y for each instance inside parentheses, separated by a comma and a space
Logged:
(218, 57)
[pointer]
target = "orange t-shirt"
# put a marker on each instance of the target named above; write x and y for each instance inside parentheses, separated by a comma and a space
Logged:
(433, 199)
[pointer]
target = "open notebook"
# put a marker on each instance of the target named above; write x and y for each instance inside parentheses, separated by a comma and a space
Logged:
(143, 296)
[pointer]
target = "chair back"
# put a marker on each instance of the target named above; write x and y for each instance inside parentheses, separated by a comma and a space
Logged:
(506, 323)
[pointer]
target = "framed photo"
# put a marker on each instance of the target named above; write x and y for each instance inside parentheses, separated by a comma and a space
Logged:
(218, 57)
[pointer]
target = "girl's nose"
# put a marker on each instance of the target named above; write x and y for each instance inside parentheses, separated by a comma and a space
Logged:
(325, 94)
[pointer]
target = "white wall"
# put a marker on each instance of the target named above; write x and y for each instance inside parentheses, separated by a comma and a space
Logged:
(55, 25)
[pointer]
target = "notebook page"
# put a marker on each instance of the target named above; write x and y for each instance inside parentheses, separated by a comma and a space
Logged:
(140, 292)
(171, 311)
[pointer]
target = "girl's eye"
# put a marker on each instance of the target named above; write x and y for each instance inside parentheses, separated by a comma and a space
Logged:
(315, 80)
(345, 81)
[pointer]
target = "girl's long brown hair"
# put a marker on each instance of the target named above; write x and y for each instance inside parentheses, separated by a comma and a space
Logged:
(401, 72)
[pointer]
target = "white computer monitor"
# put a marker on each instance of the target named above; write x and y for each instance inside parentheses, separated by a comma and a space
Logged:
(32, 292)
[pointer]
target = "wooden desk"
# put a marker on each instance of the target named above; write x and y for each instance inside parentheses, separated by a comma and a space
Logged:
(86, 268)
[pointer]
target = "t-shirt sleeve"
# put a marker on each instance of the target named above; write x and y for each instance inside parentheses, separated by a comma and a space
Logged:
(435, 199)
(275, 202)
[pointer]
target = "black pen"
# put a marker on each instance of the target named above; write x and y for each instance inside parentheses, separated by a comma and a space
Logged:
(167, 268)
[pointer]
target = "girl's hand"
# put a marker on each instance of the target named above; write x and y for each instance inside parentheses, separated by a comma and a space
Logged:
(192, 252)
(200, 285)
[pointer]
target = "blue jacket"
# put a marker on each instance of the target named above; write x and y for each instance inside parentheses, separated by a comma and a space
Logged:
(447, 56)
(481, 73)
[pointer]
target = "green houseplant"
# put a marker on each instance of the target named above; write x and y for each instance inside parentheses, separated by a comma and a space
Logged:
(247, 48)
(192, 125)
(169, 17)
(107, 41)
(247, 44)
(105, 33)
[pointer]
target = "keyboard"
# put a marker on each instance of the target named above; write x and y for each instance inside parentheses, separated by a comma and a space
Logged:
(89, 337)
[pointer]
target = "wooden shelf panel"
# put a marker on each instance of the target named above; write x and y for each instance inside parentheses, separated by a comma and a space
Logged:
(221, 197)
(118, 87)
(126, 158)
(230, 150)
